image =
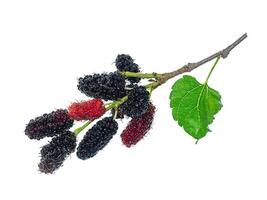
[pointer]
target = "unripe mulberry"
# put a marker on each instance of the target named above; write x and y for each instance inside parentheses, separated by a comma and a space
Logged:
(49, 125)
(87, 110)
(97, 138)
(138, 127)
(137, 102)
(125, 62)
(103, 86)
(54, 153)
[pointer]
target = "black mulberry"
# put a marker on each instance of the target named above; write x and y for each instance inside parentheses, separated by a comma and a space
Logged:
(103, 86)
(54, 153)
(49, 125)
(97, 138)
(137, 102)
(125, 62)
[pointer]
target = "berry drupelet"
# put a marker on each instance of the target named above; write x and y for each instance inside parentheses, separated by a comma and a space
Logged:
(125, 62)
(97, 138)
(109, 86)
(54, 153)
(138, 127)
(87, 110)
(49, 125)
(137, 102)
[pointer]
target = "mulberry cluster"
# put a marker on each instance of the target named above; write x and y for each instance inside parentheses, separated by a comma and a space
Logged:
(130, 99)
(138, 127)
(54, 153)
(49, 125)
(97, 138)
(103, 86)
(137, 102)
(87, 110)
(125, 62)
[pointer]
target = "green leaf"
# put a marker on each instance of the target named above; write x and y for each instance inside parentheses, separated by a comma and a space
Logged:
(194, 105)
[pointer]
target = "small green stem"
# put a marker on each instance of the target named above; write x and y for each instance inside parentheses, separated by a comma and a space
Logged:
(141, 75)
(115, 113)
(150, 90)
(107, 104)
(152, 86)
(81, 128)
(116, 103)
(214, 65)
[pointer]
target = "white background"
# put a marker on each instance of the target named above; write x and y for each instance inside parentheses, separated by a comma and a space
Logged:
(46, 45)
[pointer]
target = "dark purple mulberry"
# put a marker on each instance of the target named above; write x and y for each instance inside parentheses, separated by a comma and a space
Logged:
(54, 153)
(125, 62)
(103, 86)
(97, 138)
(49, 125)
(137, 102)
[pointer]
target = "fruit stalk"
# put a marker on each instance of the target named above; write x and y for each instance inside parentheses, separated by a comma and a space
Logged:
(162, 78)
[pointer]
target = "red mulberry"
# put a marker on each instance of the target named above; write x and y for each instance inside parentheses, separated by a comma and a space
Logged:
(138, 127)
(125, 62)
(137, 102)
(87, 110)
(49, 125)
(97, 138)
(54, 153)
(103, 86)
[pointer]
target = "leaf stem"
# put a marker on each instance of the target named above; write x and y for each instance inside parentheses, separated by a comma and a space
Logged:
(214, 65)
